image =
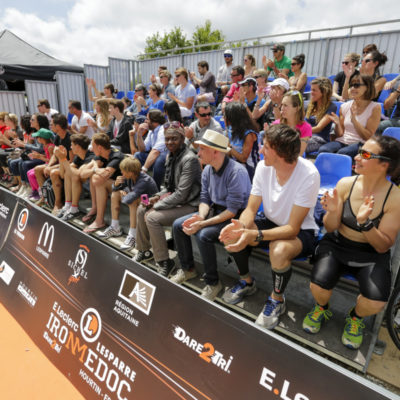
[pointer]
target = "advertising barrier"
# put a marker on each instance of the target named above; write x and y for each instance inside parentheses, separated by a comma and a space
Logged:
(118, 330)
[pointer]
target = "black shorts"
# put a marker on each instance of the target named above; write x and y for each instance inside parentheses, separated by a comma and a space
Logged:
(307, 237)
(337, 255)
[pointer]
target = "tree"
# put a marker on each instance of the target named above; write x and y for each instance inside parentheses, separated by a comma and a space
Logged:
(204, 35)
(176, 38)
(170, 41)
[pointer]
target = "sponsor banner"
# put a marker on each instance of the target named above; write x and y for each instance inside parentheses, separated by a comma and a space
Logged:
(7, 205)
(118, 330)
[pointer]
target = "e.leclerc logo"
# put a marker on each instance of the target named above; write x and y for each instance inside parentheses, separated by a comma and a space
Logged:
(22, 221)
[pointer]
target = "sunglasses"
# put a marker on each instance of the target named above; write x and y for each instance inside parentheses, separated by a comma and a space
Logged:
(173, 124)
(367, 155)
(257, 76)
(275, 51)
(367, 60)
(234, 75)
(205, 114)
(294, 63)
(177, 76)
(227, 56)
(298, 94)
(345, 62)
(356, 85)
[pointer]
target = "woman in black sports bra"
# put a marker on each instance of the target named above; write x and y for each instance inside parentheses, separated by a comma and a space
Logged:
(362, 220)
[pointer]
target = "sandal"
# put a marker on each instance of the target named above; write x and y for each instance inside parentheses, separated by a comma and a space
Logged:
(88, 218)
(91, 229)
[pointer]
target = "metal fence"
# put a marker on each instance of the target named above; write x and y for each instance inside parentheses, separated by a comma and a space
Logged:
(323, 55)
(100, 74)
(70, 86)
(36, 90)
(13, 102)
(120, 73)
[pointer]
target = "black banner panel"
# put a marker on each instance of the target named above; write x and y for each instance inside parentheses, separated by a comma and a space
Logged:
(118, 330)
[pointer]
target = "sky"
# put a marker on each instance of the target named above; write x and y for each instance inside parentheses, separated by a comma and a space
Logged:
(90, 31)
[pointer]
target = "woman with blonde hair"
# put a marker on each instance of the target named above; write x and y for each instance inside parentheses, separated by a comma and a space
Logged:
(249, 65)
(103, 117)
(292, 114)
(318, 113)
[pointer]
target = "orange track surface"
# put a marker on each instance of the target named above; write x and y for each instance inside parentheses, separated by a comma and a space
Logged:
(25, 372)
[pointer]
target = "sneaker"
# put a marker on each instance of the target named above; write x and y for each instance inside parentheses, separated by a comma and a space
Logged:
(110, 232)
(129, 242)
(21, 189)
(269, 316)
(353, 332)
(165, 267)
(235, 294)
(210, 292)
(313, 320)
(183, 275)
(143, 256)
(34, 197)
(62, 212)
(70, 215)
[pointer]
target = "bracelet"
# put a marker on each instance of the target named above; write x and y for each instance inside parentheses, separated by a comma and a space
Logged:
(366, 226)
(144, 169)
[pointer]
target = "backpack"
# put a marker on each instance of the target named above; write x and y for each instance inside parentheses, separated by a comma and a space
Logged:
(48, 193)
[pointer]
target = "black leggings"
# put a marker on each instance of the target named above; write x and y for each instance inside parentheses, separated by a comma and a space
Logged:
(373, 278)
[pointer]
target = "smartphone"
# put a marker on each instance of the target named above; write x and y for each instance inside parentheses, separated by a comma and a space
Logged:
(145, 199)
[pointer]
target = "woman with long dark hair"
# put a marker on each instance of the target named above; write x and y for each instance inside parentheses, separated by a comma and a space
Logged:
(299, 80)
(358, 120)
(243, 137)
(362, 220)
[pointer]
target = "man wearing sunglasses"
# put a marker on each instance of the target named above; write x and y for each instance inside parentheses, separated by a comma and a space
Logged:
(204, 121)
(281, 64)
(224, 72)
(237, 75)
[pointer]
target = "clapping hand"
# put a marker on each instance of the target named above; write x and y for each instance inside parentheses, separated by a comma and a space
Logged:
(365, 209)
(330, 203)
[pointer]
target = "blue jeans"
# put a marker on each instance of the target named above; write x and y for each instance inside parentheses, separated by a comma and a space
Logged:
(158, 167)
(340, 148)
(25, 166)
(205, 239)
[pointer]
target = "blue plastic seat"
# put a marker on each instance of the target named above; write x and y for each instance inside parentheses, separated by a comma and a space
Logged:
(332, 78)
(390, 77)
(221, 121)
(393, 132)
(384, 95)
(130, 94)
(332, 167)
(70, 116)
(120, 95)
(338, 105)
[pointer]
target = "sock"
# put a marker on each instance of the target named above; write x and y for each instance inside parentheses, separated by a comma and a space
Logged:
(115, 224)
(281, 279)
(67, 205)
(132, 232)
(353, 314)
(74, 209)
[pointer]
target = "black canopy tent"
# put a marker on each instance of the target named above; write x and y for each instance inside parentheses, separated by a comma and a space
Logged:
(19, 61)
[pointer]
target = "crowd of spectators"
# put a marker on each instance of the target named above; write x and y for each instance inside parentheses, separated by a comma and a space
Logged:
(185, 153)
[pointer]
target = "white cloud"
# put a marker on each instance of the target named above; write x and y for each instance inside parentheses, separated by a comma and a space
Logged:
(92, 30)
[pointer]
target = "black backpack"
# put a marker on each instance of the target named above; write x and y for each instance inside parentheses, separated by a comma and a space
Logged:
(48, 193)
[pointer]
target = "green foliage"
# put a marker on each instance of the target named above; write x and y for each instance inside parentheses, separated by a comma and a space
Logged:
(176, 38)
(204, 35)
(169, 41)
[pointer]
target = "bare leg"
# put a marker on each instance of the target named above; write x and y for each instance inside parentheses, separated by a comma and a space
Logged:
(365, 307)
(132, 213)
(57, 187)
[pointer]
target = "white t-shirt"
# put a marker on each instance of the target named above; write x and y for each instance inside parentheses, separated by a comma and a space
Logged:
(83, 121)
(51, 112)
(184, 93)
(301, 190)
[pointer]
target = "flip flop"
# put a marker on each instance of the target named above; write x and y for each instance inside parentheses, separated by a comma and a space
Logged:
(91, 229)
(88, 218)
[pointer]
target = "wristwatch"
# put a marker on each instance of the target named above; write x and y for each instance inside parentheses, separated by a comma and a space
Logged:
(259, 237)
(366, 226)
(276, 105)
